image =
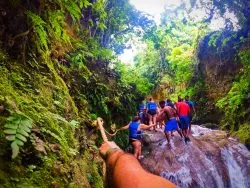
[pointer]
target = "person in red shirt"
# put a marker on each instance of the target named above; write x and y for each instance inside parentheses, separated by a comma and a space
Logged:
(183, 110)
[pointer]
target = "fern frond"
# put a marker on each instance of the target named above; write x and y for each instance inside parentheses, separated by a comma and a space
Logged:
(57, 23)
(84, 3)
(74, 10)
(39, 27)
(17, 129)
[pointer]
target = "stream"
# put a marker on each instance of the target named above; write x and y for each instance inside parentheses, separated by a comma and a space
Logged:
(212, 159)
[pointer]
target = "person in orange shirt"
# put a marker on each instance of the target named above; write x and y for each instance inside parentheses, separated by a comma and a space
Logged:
(124, 170)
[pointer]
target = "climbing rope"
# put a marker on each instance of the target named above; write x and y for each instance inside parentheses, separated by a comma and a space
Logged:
(102, 130)
(99, 122)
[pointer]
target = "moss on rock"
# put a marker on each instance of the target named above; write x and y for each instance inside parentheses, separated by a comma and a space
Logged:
(44, 97)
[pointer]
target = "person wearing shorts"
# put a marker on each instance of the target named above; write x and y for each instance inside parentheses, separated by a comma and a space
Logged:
(192, 111)
(183, 111)
(170, 116)
(135, 134)
(152, 110)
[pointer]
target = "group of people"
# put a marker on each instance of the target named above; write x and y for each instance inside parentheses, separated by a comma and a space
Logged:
(173, 116)
(125, 170)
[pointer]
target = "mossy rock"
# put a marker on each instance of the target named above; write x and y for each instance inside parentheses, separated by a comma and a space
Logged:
(244, 134)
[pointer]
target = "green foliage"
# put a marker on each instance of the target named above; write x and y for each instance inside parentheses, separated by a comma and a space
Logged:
(17, 129)
(57, 24)
(213, 39)
(75, 123)
(181, 61)
(73, 9)
(232, 103)
(39, 26)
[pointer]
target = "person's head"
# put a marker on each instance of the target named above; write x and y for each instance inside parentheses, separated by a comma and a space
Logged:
(180, 99)
(169, 101)
(150, 99)
(186, 98)
(162, 104)
(136, 118)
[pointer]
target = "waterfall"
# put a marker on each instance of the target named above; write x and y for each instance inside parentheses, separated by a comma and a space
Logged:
(210, 160)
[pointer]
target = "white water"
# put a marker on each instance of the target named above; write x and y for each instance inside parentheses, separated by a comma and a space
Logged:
(237, 178)
(211, 160)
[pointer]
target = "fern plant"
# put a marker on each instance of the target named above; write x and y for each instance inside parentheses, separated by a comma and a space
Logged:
(39, 26)
(17, 129)
(56, 27)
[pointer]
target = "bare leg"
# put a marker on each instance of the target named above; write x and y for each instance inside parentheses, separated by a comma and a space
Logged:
(137, 148)
(140, 146)
(189, 129)
(167, 136)
(179, 131)
(150, 119)
(184, 133)
(154, 121)
(162, 124)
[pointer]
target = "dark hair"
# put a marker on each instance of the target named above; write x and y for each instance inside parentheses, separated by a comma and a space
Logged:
(136, 118)
(162, 103)
(186, 97)
(168, 100)
(180, 99)
(150, 98)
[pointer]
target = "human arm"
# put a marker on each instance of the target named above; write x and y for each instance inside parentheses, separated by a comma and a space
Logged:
(124, 128)
(161, 112)
(193, 108)
(126, 171)
(145, 127)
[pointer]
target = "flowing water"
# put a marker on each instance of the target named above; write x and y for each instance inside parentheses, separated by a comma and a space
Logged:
(211, 159)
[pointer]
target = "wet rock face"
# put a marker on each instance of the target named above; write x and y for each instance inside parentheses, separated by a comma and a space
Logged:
(211, 159)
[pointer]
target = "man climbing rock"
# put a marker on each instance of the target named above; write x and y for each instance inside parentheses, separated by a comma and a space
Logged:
(125, 171)
(171, 104)
(152, 110)
(135, 134)
(143, 116)
(170, 116)
(183, 112)
(192, 111)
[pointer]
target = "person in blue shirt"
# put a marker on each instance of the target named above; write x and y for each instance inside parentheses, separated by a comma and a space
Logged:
(192, 111)
(141, 106)
(152, 111)
(135, 134)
